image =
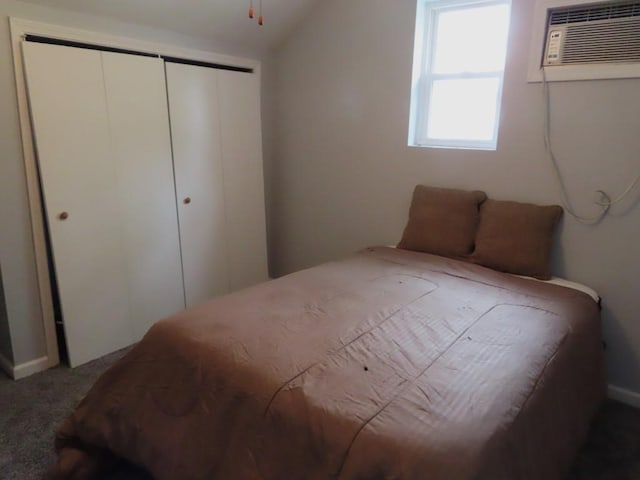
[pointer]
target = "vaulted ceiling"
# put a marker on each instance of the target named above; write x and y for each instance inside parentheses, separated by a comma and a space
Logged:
(225, 20)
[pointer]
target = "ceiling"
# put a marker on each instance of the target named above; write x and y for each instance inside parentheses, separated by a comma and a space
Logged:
(223, 20)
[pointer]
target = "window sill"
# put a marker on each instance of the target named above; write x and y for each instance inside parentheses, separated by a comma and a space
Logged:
(485, 148)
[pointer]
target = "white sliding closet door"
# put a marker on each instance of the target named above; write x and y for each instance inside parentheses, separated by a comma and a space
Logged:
(241, 140)
(139, 123)
(195, 132)
(71, 125)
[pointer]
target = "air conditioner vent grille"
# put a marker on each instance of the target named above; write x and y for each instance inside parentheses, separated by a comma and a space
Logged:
(563, 16)
(603, 42)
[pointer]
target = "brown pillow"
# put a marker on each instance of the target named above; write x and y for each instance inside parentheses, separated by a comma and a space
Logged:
(442, 221)
(516, 237)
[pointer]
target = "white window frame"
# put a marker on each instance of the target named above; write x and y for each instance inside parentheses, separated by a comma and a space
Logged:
(423, 78)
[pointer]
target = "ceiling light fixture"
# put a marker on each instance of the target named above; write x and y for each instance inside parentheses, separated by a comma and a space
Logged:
(252, 12)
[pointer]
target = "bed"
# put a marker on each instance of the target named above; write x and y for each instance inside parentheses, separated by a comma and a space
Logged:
(388, 364)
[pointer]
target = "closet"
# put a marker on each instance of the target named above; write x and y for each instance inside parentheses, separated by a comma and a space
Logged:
(151, 175)
(215, 119)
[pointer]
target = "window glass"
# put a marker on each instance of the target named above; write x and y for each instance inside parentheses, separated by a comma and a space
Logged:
(463, 109)
(471, 40)
(458, 73)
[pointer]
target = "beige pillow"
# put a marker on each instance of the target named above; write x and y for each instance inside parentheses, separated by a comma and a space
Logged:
(442, 221)
(516, 237)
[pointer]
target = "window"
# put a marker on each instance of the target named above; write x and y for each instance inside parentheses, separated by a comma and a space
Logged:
(460, 50)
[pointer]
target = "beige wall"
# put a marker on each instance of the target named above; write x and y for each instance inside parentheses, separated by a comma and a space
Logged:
(21, 300)
(342, 173)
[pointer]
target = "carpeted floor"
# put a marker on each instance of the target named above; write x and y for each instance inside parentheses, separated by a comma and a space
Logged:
(30, 410)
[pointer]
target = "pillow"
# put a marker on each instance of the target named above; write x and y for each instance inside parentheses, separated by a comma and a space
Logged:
(442, 221)
(516, 237)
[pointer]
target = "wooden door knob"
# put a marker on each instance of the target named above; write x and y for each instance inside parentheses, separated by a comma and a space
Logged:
(63, 216)
(187, 200)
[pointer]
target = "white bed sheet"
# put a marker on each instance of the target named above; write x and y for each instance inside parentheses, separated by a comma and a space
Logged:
(563, 282)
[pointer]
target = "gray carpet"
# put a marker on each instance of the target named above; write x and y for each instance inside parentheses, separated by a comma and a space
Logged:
(30, 410)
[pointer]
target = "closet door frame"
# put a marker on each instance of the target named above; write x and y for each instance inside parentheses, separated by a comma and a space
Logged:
(19, 29)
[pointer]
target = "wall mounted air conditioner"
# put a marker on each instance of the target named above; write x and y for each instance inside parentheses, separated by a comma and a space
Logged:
(575, 40)
(606, 33)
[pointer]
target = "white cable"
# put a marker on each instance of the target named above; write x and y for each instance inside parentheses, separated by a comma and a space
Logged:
(605, 202)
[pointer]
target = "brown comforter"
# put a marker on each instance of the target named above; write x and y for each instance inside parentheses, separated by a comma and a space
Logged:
(387, 365)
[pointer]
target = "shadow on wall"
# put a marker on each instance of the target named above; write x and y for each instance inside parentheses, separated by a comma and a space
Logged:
(558, 261)
(6, 350)
(628, 206)
(619, 350)
(616, 335)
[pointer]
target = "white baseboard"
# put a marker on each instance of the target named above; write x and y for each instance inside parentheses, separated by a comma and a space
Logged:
(6, 365)
(624, 396)
(31, 367)
(25, 369)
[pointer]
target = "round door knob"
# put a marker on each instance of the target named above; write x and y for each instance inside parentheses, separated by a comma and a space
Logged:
(187, 200)
(63, 216)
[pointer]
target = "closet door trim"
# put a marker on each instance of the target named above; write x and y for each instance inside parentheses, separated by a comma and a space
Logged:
(104, 48)
(19, 29)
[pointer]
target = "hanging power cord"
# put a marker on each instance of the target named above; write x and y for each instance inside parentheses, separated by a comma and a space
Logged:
(604, 201)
